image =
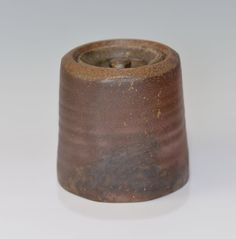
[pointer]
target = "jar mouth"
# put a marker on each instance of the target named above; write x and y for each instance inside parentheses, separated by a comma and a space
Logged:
(121, 57)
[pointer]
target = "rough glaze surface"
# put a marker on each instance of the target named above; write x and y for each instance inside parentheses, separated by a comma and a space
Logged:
(122, 134)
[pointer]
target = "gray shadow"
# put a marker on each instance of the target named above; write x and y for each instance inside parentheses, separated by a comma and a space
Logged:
(121, 211)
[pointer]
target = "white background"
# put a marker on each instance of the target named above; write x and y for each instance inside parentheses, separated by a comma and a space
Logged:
(34, 35)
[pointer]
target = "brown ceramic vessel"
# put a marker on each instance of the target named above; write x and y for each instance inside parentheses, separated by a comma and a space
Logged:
(122, 134)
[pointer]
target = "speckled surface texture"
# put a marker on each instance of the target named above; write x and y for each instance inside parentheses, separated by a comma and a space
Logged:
(122, 134)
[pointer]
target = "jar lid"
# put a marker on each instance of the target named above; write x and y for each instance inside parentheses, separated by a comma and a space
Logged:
(117, 58)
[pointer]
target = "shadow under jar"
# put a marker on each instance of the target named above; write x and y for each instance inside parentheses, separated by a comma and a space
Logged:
(122, 135)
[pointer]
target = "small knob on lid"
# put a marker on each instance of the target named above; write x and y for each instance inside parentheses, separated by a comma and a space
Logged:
(120, 63)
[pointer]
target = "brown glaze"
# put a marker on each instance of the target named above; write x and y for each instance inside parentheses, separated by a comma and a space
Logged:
(122, 134)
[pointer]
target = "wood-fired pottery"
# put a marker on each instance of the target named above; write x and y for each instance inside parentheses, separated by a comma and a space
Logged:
(122, 134)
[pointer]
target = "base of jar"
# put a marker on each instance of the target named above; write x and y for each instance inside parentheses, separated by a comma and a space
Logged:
(125, 197)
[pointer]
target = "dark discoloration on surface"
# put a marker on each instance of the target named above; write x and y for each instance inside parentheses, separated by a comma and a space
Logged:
(122, 168)
(122, 131)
